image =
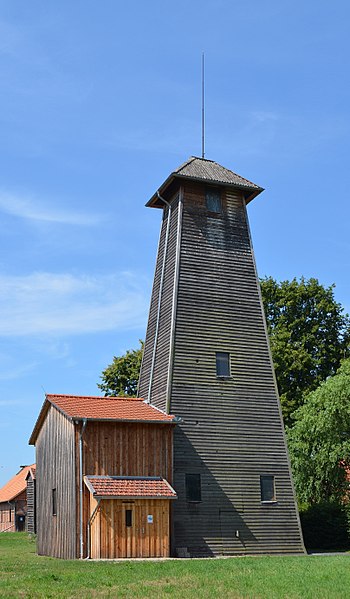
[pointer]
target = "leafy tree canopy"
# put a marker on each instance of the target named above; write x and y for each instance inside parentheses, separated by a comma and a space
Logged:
(309, 336)
(319, 442)
(121, 377)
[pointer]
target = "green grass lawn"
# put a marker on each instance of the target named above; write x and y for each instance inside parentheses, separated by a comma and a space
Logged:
(24, 574)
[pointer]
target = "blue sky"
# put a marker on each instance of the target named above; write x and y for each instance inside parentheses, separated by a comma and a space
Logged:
(99, 102)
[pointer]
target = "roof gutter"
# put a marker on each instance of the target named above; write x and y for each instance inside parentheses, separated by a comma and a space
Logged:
(81, 488)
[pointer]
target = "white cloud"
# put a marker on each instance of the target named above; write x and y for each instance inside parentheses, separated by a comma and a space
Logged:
(63, 304)
(30, 209)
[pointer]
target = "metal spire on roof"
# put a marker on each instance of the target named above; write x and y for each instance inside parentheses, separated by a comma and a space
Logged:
(202, 104)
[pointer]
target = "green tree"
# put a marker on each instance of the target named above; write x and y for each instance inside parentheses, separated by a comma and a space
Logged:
(121, 377)
(319, 442)
(309, 336)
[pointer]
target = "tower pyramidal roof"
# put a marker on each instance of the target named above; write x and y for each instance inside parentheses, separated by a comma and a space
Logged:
(208, 171)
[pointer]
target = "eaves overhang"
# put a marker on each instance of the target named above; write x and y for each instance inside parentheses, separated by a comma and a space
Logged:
(249, 192)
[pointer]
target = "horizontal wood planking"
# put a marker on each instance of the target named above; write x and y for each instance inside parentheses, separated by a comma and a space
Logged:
(55, 469)
(232, 430)
(31, 516)
(111, 538)
(159, 383)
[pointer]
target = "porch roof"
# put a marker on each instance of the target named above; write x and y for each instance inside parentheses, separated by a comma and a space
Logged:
(131, 487)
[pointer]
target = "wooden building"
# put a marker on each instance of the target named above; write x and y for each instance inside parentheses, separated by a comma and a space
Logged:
(207, 360)
(31, 500)
(103, 477)
(137, 508)
(13, 502)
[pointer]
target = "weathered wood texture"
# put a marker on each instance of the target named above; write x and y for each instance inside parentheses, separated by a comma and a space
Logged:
(13, 514)
(55, 469)
(232, 430)
(111, 538)
(122, 449)
(7, 517)
(31, 506)
(160, 378)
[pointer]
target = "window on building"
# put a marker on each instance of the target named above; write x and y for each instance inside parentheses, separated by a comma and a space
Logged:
(193, 487)
(222, 364)
(267, 488)
(128, 518)
(213, 200)
(10, 515)
(54, 502)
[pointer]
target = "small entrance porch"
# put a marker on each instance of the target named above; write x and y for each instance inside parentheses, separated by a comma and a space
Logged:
(129, 517)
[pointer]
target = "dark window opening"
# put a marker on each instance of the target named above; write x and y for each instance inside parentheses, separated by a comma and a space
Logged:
(10, 515)
(128, 517)
(213, 200)
(193, 487)
(267, 488)
(222, 363)
(54, 502)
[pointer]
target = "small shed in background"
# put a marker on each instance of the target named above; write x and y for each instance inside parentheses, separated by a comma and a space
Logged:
(13, 502)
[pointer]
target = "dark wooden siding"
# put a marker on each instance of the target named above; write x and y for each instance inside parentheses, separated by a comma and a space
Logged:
(160, 378)
(232, 430)
(55, 469)
(31, 517)
(122, 449)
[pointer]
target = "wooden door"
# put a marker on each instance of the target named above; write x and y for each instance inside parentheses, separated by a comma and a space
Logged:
(129, 529)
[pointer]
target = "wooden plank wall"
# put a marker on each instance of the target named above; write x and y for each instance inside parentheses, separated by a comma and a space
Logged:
(110, 538)
(232, 430)
(55, 469)
(7, 517)
(31, 519)
(159, 384)
(122, 449)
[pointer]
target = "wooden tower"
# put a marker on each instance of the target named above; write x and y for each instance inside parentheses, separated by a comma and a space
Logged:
(207, 360)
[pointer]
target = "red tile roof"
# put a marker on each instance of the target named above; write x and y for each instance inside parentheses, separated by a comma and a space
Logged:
(77, 407)
(16, 485)
(136, 487)
(108, 408)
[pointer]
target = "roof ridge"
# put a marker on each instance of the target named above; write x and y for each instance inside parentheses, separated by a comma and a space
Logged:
(69, 396)
(206, 160)
(184, 164)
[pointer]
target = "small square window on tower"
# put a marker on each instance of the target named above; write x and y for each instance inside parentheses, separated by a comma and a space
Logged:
(267, 488)
(222, 364)
(193, 487)
(213, 200)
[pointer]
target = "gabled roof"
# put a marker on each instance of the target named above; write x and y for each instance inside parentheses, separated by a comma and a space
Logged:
(124, 409)
(16, 485)
(31, 472)
(208, 171)
(132, 487)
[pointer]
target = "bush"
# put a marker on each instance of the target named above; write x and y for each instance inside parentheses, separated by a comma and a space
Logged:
(326, 526)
